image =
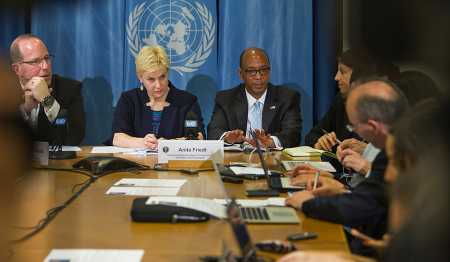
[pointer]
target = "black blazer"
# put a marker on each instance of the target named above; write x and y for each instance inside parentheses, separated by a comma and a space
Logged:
(365, 208)
(335, 120)
(281, 114)
(68, 94)
(133, 117)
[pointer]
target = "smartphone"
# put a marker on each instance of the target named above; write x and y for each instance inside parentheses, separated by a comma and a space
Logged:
(262, 192)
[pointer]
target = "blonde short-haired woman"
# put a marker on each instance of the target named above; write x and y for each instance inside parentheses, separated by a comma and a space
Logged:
(156, 109)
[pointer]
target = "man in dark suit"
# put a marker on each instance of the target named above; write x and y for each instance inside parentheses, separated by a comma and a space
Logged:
(273, 112)
(45, 95)
(372, 107)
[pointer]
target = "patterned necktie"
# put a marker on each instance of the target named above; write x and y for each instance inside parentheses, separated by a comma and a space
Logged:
(255, 117)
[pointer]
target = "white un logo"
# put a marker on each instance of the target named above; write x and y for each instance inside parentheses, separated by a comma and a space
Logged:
(185, 30)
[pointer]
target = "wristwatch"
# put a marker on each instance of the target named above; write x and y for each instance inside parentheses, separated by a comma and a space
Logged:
(48, 101)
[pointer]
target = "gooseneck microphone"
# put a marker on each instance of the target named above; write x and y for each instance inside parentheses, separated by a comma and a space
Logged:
(191, 126)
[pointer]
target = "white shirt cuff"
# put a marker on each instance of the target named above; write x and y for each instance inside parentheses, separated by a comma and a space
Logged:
(52, 112)
(276, 142)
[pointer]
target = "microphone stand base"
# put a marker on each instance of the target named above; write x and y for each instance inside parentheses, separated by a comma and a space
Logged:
(59, 155)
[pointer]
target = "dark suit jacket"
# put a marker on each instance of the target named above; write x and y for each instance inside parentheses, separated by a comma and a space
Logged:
(133, 117)
(68, 94)
(281, 114)
(335, 120)
(365, 208)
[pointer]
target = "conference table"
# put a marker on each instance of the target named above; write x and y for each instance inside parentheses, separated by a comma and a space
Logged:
(98, 221)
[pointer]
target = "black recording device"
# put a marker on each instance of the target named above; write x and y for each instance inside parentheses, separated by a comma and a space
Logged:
(102, 164)
(191, 128)
(276, 246)
(226, 171)
(233, 180)
(170, 212)
(302, 236)
(62, 127)
(262, 192)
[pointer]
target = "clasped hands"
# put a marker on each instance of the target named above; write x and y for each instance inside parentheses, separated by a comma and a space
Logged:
(34, 92)
(151, 142)
(238, 136)
(349, 153)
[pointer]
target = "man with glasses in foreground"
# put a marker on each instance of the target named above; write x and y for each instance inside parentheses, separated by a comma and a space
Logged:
(44, 94)
(373, 106)
(273, 112)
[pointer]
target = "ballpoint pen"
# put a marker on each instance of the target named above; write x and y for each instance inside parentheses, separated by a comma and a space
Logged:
(316, 180)
(325, 132)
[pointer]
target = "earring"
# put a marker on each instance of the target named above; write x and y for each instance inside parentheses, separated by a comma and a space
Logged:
(141, 87)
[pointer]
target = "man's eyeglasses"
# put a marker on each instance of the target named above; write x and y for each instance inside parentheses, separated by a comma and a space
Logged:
(38, 61)
(262, 71)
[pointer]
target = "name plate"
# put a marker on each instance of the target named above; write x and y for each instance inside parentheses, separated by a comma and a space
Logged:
(40, 153)
(188, 150)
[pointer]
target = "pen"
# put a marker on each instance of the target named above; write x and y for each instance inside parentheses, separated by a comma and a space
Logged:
(316, 180)
(326, 132)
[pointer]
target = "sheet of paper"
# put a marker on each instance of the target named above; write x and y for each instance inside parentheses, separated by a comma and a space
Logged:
(71, 148)
(271, 201)
(238, 170)
(239, 147)
(205, 205)
(95, 255)
(143, 191)
(303, 151)
(142, 182)
(110, 150)
(324, 166)
(139, 151)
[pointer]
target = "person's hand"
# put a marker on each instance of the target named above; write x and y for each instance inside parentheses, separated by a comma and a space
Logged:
(377, 244)
(323, 256)
(234, 136)
(302, 169)
(265, 139)
(301, 180)
(150, 141)
(353, 144)
(38, 87)
(352, 160)
(298, 198)
(29, 103)
(325, 187)
(326, 142)
(200, 136)
(306, 169)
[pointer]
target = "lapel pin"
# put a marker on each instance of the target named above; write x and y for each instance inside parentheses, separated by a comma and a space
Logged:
(272, 107)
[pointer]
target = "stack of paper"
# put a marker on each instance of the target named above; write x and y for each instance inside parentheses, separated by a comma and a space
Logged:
(94, 255)
(146, 187)
(117, 150)
(303, 151)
